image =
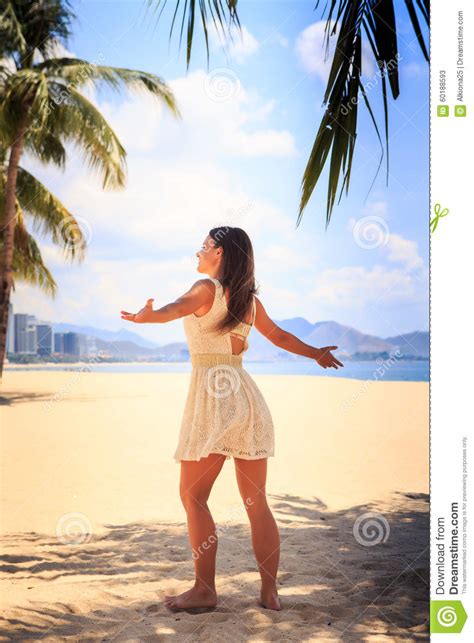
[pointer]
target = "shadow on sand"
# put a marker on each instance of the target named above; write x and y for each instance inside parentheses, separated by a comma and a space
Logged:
(345, 575)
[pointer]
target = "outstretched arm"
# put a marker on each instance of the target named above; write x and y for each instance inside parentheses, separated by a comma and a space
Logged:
(290, 342)
(201, 293)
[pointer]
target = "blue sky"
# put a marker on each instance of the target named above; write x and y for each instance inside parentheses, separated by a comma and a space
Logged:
(237, 157)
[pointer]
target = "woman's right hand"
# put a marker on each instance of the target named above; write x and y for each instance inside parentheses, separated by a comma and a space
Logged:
(325, 359)
(143, 316)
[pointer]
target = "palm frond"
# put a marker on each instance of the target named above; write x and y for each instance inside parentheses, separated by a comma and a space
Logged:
(27, 26)
(338, 129)
(336, 136)
(25, 91)
(49, 215)
(11, 33)
(75, 73)
(424, 7)
(78, 121)
(27, 264)
(46, 147)
(219, 10)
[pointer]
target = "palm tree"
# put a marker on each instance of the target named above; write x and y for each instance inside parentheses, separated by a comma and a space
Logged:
(49, 215)
(336, 136)
(42, 111)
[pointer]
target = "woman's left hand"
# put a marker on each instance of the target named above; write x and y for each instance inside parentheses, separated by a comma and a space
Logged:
(325, 358)
(143, 316)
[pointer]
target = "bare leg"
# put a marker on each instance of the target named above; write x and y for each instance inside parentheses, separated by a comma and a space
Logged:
(197, 479)
(251, 478)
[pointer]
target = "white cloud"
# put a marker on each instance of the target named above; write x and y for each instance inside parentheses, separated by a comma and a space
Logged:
(278, 38)
(94, 292)
(137, 121)
(244, 46)
(56, 50)
(311, 50)
(377, 208)
(168, 206)
(144, 238)
(354, 287)
(266, 143)
(218, 115)
(183, 180)
(240, 46)
(404, 251)
(372, 225)
(114, 288)
(374, 234)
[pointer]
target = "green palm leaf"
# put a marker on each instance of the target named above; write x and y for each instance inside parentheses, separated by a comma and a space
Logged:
(46, 147)
(23, 91)
(42, 111)
(219, 11)
(28, 26)
(337, 132)
(49, 215)
(336, 136)
(27, 264)
(75, 73)
(11, 32)
(78, 121)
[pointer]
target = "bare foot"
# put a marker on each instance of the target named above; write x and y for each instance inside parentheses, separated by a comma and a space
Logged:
(193, 598)
(269, 599)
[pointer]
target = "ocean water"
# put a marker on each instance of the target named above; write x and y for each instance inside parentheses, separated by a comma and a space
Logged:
(386, 370)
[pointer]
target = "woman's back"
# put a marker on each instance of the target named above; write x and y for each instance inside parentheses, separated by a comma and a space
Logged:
(201, 337)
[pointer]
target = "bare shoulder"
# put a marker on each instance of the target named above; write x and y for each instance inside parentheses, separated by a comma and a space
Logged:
(203, 284)
(204, 289)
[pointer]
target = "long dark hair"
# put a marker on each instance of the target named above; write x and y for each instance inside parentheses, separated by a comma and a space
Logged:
(237, 273)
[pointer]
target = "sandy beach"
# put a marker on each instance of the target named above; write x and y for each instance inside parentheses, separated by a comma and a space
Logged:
(94, 531)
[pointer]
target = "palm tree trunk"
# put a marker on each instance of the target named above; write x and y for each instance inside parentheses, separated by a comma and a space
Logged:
(8, 231)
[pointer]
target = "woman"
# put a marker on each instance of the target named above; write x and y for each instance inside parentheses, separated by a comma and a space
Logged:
(225, 413)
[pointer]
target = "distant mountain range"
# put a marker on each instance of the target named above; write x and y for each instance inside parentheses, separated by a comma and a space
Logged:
(351, 343)
(106, 335)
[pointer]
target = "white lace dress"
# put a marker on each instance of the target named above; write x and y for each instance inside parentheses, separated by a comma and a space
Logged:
(225, 412)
